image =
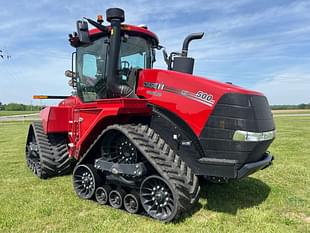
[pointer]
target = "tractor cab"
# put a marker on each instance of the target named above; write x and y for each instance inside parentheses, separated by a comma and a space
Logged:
(108, 58)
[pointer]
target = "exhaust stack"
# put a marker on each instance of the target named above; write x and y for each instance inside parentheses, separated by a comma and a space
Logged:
(183, 63)
(114, 89)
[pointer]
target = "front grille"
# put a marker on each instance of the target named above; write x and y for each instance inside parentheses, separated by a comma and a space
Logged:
(233, 112)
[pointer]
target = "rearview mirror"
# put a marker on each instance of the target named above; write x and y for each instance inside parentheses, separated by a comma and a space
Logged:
(70, 74)
(82, 30)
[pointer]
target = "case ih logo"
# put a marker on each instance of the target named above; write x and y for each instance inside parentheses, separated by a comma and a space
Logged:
(200, 96)
(158, 86)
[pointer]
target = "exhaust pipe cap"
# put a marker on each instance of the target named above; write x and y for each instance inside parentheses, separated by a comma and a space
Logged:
(115, 13)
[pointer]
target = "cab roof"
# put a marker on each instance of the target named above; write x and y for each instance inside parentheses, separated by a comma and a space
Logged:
(130, 29)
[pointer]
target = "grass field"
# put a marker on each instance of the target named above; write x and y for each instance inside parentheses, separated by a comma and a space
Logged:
(291, 111)
(274, 200)
(13, 113)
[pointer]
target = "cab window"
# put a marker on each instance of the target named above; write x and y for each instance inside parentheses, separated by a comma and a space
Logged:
(136, 53)
(89, 65)
(91, 69)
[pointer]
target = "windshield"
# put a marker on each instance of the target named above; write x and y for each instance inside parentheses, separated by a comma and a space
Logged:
(135, 52)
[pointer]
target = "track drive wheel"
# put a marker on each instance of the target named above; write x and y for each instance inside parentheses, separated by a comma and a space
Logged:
(85, 180)
(158, 198)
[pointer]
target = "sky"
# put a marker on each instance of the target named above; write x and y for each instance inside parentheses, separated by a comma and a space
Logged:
(260, 45)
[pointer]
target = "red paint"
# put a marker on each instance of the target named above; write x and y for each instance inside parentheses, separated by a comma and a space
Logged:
(55, 119)
(83, 122)
(194, 113)
(127, 27)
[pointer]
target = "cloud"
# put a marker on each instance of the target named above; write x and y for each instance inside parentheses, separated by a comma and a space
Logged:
(289, 87)
(18, 83)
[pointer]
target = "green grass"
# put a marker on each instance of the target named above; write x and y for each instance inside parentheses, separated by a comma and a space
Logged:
(274, 200)
(291, 111)
(12, 113)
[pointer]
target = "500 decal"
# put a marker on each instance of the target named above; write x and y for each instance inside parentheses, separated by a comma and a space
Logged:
(205, 97)
(200, 96)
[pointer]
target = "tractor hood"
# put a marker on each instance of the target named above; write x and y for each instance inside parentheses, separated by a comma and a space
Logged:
(191, 98)
(187, 85)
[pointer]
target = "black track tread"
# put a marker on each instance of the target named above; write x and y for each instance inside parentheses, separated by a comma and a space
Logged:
(166, 162)
(53, 152)
(61, 154)
(47, 163)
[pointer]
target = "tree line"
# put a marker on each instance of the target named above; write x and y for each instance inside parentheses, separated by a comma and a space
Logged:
(19, 107)
(284, 107)
(24, 107)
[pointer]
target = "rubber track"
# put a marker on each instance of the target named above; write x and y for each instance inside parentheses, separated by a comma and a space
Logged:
(165, 161)
(61, 154)
(54, 159)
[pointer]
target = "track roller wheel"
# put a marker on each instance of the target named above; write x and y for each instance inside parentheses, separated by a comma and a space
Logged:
(116, 198)
(85, 180)
(158, 199)
(131, 203)
(102, 194)
(38, 169)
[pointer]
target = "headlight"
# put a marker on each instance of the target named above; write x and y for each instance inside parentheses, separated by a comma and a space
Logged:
(245, 136)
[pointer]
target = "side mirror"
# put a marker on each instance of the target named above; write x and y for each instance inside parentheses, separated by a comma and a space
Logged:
(82, 31)
(165, 54)
(72, 75)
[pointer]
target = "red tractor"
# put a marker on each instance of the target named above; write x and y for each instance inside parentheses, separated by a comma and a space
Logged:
(139, 138)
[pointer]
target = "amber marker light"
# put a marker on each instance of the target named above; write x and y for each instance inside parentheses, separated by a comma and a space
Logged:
(99, 19)
(40, 97)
